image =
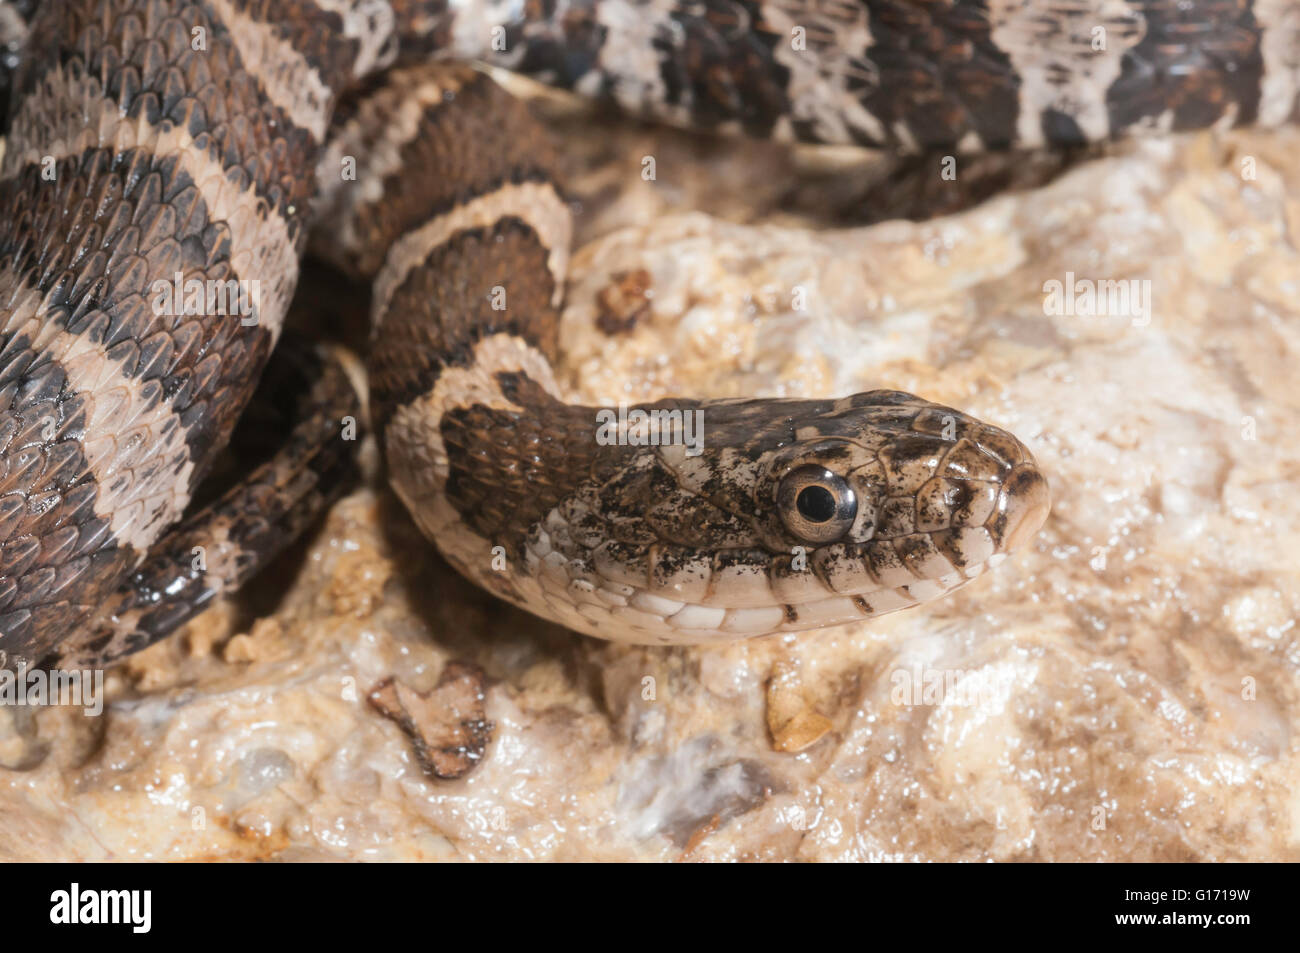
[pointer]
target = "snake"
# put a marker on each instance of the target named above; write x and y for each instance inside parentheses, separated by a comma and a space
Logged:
(157, 146)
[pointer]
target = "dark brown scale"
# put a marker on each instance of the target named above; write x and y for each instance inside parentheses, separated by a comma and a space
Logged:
(692, 520)
(933, 504)
(445, 307)
(963, 512)
(883, 558)
(946, 541)
(1198, 61)
(724, 66)
(670, 562)
(896, 518)
(500, 493)
(829, 560)
(914, 550)
(477, 140)
(639, 558)
(938, 72)
(625, 494)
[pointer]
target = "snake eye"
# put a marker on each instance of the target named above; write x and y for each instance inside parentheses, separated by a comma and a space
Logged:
(816, 504)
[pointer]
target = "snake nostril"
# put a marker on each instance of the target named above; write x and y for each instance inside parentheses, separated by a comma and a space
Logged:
(1023, 507)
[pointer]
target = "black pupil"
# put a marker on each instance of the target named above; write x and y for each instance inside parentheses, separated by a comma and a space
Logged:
(816, 504)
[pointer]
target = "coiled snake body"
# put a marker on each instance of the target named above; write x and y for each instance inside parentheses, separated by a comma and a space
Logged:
(173, 141)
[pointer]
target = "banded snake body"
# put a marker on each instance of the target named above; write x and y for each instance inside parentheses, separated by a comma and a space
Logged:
(153, 140)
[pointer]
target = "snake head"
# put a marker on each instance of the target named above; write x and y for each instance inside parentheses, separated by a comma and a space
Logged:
(896, 500)
(800, 514)
(781, 515)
